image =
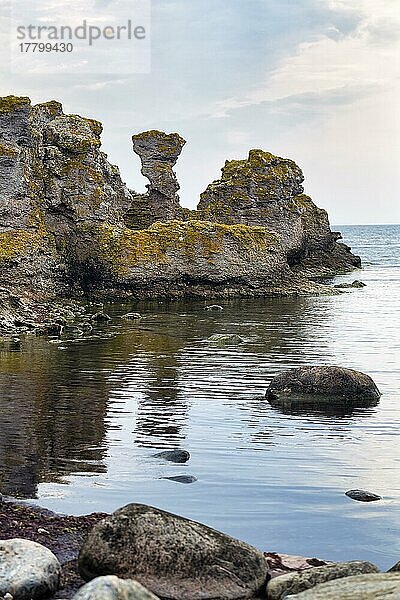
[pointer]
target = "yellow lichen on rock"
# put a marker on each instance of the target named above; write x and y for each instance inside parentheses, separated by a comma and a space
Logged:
(10, 103)
(10, 151)
(18, 242)
(123, 250)
(15, 243)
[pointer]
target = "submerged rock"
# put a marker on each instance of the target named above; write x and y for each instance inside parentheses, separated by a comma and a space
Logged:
(27, 570)
(100, 317)
(173, 557)
(224, 339)
(355, 284)
(214, 307)
(357, 587)
(294, 583)
(132, 316)
(72, 330)
(363, 496)
(50, 329)
(177, 455)
(322, 384)
(111, 587)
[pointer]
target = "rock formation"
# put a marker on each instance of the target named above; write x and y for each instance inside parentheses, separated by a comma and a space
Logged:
(70, 228)
(158, 153)
(267, 191)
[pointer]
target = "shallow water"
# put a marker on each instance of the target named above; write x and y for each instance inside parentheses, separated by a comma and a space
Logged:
(81, 418)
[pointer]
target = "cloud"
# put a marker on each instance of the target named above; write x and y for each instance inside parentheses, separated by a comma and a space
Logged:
(334, 62)
(100, 85)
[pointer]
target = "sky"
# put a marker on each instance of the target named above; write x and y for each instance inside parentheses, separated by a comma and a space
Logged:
(316, 81)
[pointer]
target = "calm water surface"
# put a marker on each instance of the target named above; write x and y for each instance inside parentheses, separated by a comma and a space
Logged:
(80, 418)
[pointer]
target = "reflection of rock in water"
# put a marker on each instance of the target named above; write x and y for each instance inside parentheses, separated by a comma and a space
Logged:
(294, 407)
(181, 478)
(51, 417)
(161, 413)
(159, 422)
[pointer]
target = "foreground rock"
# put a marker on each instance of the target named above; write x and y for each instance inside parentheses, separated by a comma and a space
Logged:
(321, 384)
(363, 496)
(294, 583)
(282, 564)
(27, 570)
(357, 587)
(113, 588)
(172, 556)
(70, 228)
(62, 534)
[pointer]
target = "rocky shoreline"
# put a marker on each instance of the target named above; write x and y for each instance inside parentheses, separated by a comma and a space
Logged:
(62, 534)
(171, 556)
(71, 230)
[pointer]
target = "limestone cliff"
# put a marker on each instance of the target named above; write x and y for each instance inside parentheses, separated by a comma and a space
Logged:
(70, 228)
(267, 190)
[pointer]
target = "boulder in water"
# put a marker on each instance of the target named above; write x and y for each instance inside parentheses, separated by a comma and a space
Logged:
(181, 478)
(177, 455)
(355, 284)
(134, 316)
(363, 496)
(225, 339)
(322, 385)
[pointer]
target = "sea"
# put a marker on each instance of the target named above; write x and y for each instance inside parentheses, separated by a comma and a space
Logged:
(82, 417)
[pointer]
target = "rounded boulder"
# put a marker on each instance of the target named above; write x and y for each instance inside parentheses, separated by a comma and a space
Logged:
(111, 587)
(27, 570)
(173, 557)
(322, 385)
